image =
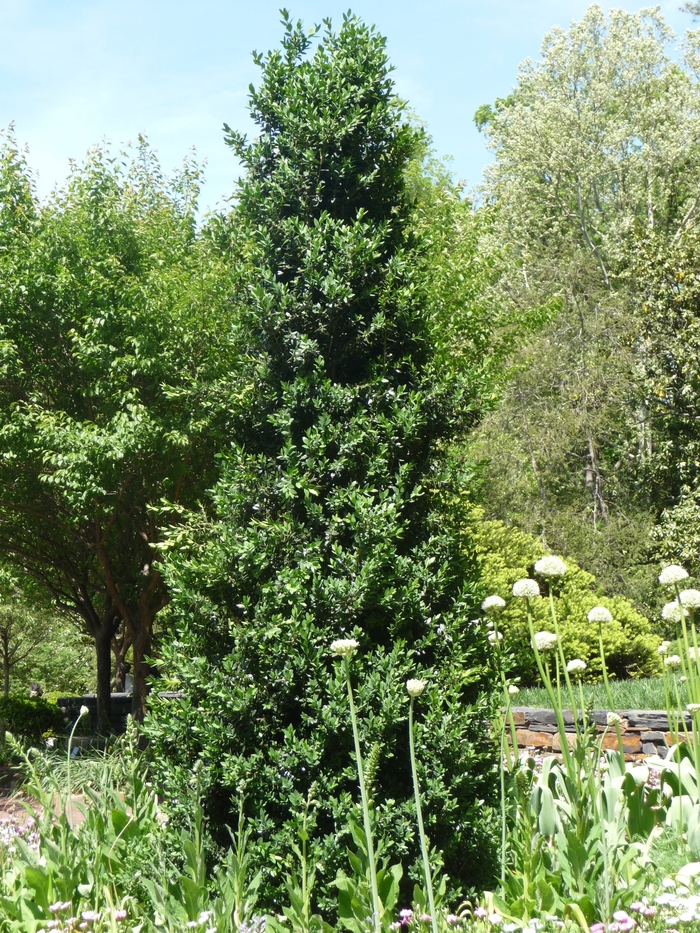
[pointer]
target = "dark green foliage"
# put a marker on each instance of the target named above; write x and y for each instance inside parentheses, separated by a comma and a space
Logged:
(324, 523)
(30, 719)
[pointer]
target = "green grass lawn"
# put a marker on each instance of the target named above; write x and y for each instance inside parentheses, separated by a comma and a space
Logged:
(647, 693)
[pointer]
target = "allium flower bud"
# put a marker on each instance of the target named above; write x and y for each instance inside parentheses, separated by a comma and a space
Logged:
(513, 690)
(415, 687)
(550, 566)
(495, 637)
(84, 711)
(526, 589)
(576, 666)
(545, 641)
(693, 708)
(600, 614)
(492, 605)
(344, 647)
(614, 719)
(672, 574)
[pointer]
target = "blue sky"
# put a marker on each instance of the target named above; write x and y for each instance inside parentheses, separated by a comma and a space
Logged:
(76, 72)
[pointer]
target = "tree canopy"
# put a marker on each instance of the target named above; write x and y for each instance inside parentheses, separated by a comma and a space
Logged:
(114, 345)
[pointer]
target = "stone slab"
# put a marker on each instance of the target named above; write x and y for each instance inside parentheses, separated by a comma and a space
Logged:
(526, 737)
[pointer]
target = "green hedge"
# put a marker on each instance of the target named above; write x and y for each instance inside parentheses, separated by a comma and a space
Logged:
(505, 555)
(30, 720)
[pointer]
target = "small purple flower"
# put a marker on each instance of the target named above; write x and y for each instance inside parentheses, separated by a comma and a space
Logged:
(452, 918)
(598, 928)
(480, 913)
(425, 918)
(406, 915)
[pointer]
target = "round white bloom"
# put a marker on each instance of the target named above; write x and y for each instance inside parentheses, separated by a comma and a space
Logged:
(690, 598)
(671, 612)
(492, 604)
(344, 647)
(550, 566)
(495, 637)
(663, 647)
(692, 654)
(576, 666)
(84, 711)
(513, 690)
(526, 588)
(693, 708)
(415, 687)
(672, 662)
(600, 614)
(672, 574)
(614, 719)
(682, 680)
(545, 641)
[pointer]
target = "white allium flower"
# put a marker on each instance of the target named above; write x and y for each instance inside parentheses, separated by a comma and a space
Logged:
(672, 574)
(600, 614)
(576, 666)
(671, 612)
(526, 588)
(682, 680)
(663, 647)
(545, 641)
(415, 687)
(672, 662)
(693, 708)
(550, 566)
(692, 654)
(614, 719)
(492, 604)
(344, 647)
(495, 637)
(513, 690)
(84, 711)
(690, 598)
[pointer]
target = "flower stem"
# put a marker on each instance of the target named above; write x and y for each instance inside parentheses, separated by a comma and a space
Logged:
(376, 906)
(419, 815)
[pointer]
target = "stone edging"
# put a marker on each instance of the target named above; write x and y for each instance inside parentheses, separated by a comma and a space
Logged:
(644, 732)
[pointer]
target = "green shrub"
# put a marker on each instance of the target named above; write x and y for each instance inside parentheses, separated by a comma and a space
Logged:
(29, 720)
(325, 523)
(505, 555)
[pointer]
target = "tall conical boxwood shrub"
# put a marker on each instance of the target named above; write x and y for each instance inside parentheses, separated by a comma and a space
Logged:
(324, 523)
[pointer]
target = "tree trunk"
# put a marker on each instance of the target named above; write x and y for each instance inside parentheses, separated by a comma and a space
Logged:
(141, 647)
(6, 664)
(103, 651)
(120, 646)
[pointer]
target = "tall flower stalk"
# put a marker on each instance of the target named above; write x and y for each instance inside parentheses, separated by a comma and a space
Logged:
(84, 711)
(415, 688)
(344, 648)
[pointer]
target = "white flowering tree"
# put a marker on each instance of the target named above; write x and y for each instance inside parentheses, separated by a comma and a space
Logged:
(591, 157)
